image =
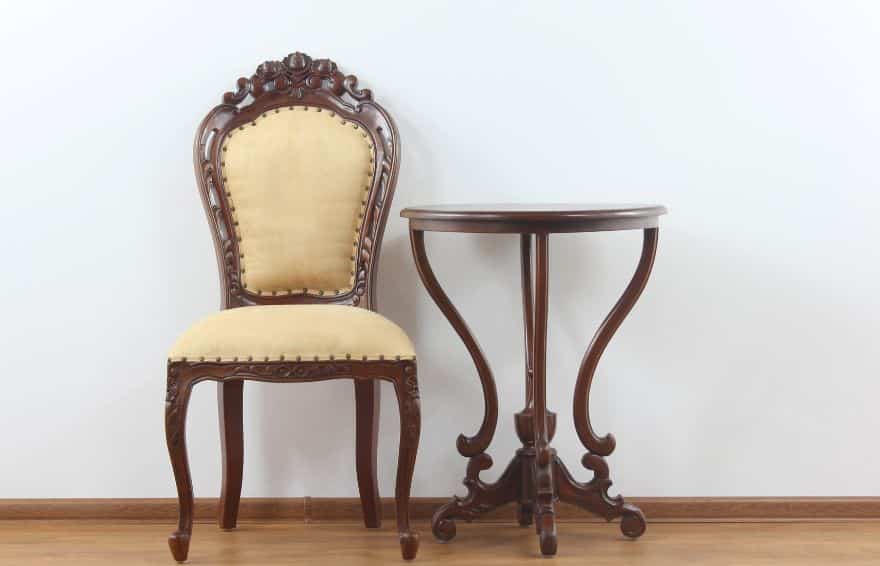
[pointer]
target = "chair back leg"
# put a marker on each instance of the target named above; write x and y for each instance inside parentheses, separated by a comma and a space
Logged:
(230, 407)
(367, 398)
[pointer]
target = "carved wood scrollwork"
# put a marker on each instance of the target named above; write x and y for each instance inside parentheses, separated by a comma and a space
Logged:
(296, 74)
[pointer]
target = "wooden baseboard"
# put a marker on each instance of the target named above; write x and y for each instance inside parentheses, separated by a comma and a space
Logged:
(316, 509)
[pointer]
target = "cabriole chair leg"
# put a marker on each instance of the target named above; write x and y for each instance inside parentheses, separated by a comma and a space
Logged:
(407, 389)
(176, 402)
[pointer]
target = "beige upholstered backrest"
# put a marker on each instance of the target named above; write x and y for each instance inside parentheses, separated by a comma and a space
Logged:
(297, 180)
(297, 169)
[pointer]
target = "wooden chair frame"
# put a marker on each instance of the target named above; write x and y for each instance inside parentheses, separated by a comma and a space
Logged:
(295, 80)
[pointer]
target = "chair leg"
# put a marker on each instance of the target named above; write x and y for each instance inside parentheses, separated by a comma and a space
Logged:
(367, 399)
(176, 402)
(407, 390)
(229, 401)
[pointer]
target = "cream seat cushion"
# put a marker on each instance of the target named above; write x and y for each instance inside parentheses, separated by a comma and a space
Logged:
(288, 332)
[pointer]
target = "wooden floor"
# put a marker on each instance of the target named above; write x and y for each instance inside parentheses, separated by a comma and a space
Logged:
(316, 544)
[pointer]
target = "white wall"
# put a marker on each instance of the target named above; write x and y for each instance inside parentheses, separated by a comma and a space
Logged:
(748, 368)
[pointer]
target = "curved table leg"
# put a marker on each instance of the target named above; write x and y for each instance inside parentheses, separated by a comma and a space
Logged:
(545, 514)
(467, 445)
(482, 497)
(593, 495)
(524, 420)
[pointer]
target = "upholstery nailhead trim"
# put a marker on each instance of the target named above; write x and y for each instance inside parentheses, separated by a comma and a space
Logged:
(358, 221)
(298, 358)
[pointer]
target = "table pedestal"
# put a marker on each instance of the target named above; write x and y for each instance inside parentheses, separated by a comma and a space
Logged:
(536, 478)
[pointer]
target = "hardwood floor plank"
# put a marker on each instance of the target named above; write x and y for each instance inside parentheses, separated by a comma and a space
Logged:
(281, 542)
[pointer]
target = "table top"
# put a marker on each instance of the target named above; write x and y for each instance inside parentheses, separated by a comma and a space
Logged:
(532, 218)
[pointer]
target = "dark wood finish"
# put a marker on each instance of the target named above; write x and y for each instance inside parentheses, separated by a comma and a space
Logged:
(348, 509)
(366, 394)
(536, 480)
(296, 80)
(183, 376)
(467, 445)
(532, 218)
(603, 446)
(230, 400)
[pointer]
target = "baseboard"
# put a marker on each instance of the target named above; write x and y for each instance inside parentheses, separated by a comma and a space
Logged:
(316, 509)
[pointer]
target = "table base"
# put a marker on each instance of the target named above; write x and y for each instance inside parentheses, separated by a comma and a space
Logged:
(536, 478)
(525, 482)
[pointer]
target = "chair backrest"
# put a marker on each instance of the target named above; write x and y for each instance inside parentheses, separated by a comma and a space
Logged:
(297, 169)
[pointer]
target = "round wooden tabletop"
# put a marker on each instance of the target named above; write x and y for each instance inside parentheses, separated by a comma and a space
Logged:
(532, 218)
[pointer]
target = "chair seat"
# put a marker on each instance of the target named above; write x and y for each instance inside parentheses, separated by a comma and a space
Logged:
(289, 332)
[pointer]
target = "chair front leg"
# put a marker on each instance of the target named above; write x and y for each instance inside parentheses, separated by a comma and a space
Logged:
(407, 389)
(367, 397)
(176, 402)
(230, 407)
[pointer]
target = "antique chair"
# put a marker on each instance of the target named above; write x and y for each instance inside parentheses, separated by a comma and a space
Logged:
(296, 168)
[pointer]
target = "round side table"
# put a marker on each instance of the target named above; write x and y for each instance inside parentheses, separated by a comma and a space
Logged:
(536, 478)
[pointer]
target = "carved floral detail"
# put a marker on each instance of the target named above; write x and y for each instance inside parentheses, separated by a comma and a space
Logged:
(172, 406)
(411, 382)
(292, 370)
(295, 74)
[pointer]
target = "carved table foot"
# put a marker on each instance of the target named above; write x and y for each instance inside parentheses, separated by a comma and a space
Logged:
(545, 504)
(481, 497)
(593, 495)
